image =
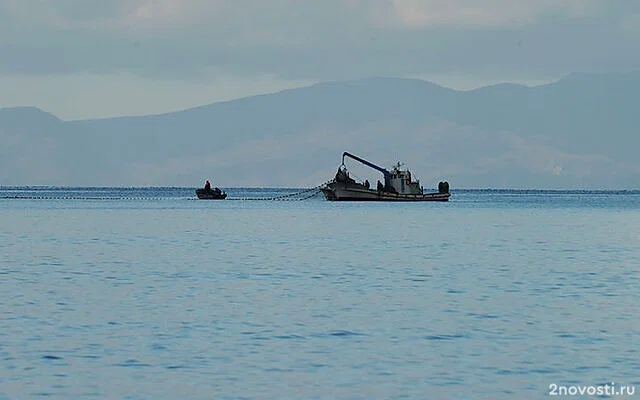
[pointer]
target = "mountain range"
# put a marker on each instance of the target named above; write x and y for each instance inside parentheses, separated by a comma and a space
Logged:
(580, 132)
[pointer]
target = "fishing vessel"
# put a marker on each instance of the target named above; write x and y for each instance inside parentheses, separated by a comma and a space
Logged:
(211, 194)
(398, 186)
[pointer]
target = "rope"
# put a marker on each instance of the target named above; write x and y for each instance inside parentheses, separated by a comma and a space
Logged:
(20, 197)
(287, 197)
(308, 193)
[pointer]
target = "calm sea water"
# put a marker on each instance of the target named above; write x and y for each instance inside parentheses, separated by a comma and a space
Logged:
(151, 294)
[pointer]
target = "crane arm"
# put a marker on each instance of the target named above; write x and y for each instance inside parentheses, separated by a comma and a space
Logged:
(386, 173)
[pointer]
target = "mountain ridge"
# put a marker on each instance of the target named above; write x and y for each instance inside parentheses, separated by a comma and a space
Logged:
(577, 132)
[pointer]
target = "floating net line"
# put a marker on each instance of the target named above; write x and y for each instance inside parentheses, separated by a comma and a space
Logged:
(296, 196)
(48, 197)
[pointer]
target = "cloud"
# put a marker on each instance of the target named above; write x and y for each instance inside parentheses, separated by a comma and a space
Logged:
(317, 40)
(148, 16)
(483, 13)
(221, 21)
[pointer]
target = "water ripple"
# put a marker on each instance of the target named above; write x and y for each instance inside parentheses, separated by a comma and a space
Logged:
(491, 296)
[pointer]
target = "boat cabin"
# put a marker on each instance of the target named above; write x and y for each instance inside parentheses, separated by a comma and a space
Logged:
(400, 180)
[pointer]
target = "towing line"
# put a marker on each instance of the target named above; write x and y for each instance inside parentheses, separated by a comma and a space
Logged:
(287, 197)
(306, 194)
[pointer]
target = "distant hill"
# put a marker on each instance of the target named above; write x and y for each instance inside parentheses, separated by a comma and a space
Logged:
(579, 132)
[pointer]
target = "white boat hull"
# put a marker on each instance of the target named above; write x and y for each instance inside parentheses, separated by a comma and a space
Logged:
(349, 191)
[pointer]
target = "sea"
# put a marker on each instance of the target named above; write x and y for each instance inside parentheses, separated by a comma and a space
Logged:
(276, 293)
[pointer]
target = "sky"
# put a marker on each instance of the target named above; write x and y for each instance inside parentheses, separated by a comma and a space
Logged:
(83, 59)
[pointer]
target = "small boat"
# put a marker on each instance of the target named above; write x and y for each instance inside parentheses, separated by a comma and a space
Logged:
(398, 186)
(211, 194)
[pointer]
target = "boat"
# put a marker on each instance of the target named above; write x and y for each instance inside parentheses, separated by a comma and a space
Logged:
(398, 186)
(210, 194)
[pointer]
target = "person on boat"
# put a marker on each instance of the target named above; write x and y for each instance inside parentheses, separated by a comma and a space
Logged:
(380, 187)
(207, 185)
(341, 175)
(366, 183)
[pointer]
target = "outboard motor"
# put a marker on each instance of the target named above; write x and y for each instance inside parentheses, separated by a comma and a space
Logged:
(443, 187)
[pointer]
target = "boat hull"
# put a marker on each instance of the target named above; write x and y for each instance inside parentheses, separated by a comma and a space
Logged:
(346, 191)
(210, 195)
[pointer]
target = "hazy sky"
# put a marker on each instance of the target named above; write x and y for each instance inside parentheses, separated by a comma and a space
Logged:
(93, 58)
